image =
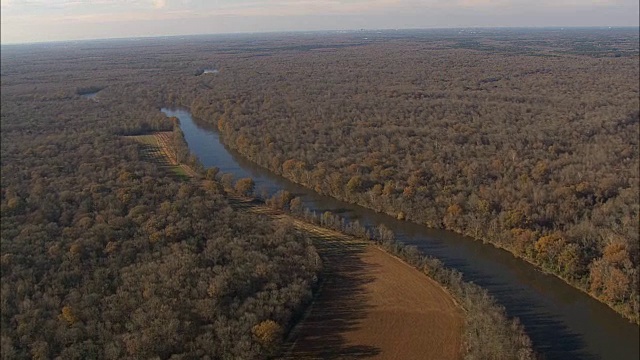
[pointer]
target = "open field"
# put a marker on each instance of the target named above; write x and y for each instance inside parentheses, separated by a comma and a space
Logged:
(158, 150)
(371, 305)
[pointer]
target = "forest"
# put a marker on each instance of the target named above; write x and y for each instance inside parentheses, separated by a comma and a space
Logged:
(106, 256)
(528, 142)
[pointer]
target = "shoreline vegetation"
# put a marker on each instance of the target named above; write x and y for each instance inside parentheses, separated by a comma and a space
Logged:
(488, 331)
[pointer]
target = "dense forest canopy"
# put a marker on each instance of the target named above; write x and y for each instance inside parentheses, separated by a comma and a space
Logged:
(527, 140)
(105, 255)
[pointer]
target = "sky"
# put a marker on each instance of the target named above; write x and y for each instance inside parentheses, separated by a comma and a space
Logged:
(54, 20)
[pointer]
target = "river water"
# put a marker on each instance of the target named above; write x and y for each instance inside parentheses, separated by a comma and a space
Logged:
(563, 322)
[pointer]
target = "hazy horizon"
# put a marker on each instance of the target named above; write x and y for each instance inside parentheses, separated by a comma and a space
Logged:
(29, 21)
(302, 32)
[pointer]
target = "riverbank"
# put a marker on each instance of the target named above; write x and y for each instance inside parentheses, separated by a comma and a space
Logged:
(370, 302)
(562, 321)
(624, 310)
(487, 330)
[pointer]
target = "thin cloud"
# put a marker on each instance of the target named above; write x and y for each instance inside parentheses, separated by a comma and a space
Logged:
(101, 18)
(70, 4)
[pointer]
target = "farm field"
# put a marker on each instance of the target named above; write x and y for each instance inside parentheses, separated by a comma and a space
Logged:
(373, 305)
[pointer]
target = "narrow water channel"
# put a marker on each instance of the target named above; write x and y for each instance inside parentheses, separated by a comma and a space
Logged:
(563, 322)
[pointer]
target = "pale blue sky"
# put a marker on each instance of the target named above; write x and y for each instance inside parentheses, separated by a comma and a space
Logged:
(50, 20)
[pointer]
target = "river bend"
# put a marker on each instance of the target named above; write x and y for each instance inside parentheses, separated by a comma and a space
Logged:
(563, 322)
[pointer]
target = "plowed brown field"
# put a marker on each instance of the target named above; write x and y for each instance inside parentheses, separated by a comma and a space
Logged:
(373, 305)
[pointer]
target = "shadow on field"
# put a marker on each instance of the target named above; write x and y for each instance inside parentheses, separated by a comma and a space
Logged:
(339, 307)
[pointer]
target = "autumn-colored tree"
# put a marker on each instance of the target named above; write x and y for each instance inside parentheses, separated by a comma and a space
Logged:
(227, 181)
(14, 204)
(452, 216)
(211, 173)
(354, 184)
(75, 249)
(608, 281)
(125, 176)
(295, 205)
(40, 350)
(415, 179)
(245, 186)
(269, 334)
(571, 261)
(609, 274)
(409, 192)
(111, 247)
(289, 166)
(524, 240)
(222, 121)
(376, 190)
(280, 200)
(335, 183)
(548, 248)
(213, 187)
(388, 189)
(514, 219)
(68, 316)
(540, 171)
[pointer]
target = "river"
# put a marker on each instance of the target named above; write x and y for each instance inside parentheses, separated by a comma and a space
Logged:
(563, 322)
